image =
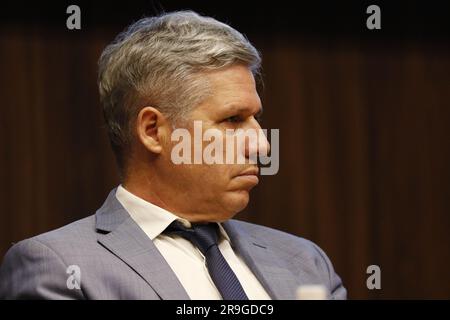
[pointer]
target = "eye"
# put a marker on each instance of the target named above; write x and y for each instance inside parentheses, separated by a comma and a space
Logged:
(233, 119)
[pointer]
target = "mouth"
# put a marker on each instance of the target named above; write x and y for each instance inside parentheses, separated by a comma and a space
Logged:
(249, 175)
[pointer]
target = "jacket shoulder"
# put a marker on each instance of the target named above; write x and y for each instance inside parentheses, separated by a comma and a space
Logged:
(300, 255)
(78, 231)
(280, 239)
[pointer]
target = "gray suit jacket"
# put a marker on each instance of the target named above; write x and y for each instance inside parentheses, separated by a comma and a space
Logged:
(117, 260)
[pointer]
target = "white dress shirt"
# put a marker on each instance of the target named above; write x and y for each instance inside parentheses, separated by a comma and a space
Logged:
(186, 260)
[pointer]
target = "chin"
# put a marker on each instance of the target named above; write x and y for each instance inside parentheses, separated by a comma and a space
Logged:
(236, 201)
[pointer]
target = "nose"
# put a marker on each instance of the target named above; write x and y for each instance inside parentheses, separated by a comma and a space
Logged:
(256, 143)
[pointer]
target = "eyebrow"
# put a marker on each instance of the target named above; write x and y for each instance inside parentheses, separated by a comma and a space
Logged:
(240, 108)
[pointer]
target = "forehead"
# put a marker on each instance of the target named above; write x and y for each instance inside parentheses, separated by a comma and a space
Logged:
(232, 89)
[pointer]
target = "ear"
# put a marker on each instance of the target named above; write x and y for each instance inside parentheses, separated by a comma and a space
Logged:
(152, 128)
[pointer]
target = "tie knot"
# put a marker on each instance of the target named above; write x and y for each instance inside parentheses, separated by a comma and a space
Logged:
(204, 236)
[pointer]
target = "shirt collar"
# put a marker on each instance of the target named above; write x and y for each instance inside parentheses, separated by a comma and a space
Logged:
(153, 220)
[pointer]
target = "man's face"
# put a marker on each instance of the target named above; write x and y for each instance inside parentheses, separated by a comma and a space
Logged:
(216, 192)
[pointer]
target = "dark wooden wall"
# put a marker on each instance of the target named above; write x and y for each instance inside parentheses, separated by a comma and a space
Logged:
(364, 149)
(364, 159)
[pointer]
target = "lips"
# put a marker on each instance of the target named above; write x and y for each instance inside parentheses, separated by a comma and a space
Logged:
(254, 171)
(249, 175)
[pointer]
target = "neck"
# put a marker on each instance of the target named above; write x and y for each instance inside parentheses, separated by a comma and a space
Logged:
(144, 187)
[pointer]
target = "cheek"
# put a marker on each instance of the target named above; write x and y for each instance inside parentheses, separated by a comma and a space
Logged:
(214, 173)
(212, 177)
(201, 176)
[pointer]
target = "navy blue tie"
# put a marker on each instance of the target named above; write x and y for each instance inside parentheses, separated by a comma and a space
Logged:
(204, 237)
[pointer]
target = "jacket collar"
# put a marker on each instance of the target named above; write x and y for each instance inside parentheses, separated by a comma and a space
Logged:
(263, 260)
(124, 238)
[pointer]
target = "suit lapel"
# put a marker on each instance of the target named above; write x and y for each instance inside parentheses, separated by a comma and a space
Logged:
(273, 273)
(125, 239)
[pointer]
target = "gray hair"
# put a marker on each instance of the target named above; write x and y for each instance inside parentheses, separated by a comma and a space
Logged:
(158, 61)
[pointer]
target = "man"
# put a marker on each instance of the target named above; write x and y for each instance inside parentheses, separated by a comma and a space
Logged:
(166, 232)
